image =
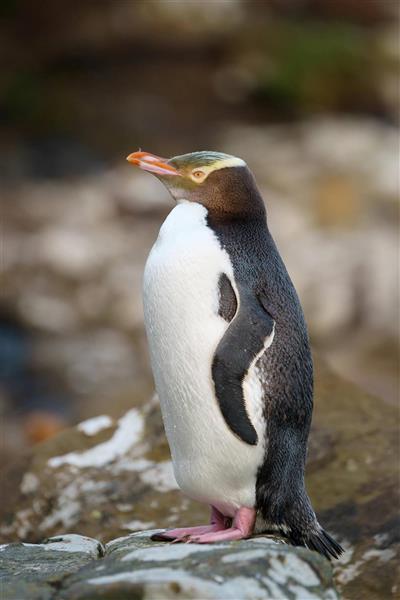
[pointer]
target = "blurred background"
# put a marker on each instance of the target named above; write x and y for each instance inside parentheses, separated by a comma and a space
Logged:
(306, 91)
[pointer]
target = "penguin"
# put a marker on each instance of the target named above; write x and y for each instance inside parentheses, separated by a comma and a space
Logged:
(230, 355)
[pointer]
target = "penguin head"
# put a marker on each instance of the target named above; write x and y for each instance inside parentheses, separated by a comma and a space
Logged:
(219, 181)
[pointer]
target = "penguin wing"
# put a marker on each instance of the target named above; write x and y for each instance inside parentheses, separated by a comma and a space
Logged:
(250, 329)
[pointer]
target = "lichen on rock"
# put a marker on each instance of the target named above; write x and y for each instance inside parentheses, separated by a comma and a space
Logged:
(136, 567)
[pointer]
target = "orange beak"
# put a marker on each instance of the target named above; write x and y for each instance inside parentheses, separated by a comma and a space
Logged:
(151, 162)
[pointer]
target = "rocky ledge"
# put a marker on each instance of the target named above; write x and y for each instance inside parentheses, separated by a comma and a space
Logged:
(108, 477)
(73, 567)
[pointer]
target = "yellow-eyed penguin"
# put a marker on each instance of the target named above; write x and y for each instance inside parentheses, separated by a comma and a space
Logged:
(230, 355)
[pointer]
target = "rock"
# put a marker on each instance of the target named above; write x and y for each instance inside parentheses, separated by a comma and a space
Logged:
(353, 484)
(107, 477)
(35, 571)
(66, 568)
(337, 202)
(101, 359)
(104, 475)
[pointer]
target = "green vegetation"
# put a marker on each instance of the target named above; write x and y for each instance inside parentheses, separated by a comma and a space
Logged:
(316, 65)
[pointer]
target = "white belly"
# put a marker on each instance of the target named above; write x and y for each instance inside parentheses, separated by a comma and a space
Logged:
(183, 328)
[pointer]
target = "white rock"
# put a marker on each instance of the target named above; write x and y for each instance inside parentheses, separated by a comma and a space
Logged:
(128, 433)
(93, 426)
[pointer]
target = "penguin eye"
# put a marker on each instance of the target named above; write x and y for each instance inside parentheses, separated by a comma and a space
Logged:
(198, 175)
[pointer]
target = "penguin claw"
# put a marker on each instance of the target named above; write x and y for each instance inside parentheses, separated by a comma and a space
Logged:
(161, 537)
(181, 540)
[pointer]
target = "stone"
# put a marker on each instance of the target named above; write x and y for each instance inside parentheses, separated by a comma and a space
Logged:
(134, 567)
(337, 202)
(113, 476)
(35, 571)
(110, 476)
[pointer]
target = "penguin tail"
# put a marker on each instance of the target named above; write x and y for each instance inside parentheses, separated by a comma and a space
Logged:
(318, 540)
(296, 521)
(281, 496)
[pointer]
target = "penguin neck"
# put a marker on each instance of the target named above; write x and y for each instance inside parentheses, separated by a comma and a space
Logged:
(234, 197)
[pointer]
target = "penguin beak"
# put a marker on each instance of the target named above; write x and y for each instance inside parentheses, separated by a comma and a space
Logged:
(152, 163)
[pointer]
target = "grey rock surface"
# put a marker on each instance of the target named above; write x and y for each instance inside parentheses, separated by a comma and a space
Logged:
(134, 567)
(36, 571)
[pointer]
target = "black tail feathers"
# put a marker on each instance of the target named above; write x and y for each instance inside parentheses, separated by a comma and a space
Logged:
(319, 540)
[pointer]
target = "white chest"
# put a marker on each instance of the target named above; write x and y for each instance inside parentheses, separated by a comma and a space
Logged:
(183, 328)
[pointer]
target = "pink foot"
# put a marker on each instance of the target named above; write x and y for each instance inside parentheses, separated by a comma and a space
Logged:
(242, 527)
(218, 523)
(183, 532)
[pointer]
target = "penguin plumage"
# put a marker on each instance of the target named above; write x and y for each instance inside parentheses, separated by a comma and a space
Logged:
(230, 355)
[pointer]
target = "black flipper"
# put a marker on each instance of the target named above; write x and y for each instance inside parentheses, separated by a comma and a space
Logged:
(241, 343)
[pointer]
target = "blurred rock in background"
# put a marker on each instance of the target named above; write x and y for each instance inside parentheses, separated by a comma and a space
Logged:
(306, 92)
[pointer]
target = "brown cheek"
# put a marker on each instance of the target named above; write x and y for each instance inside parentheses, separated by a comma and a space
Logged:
(210, 195)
